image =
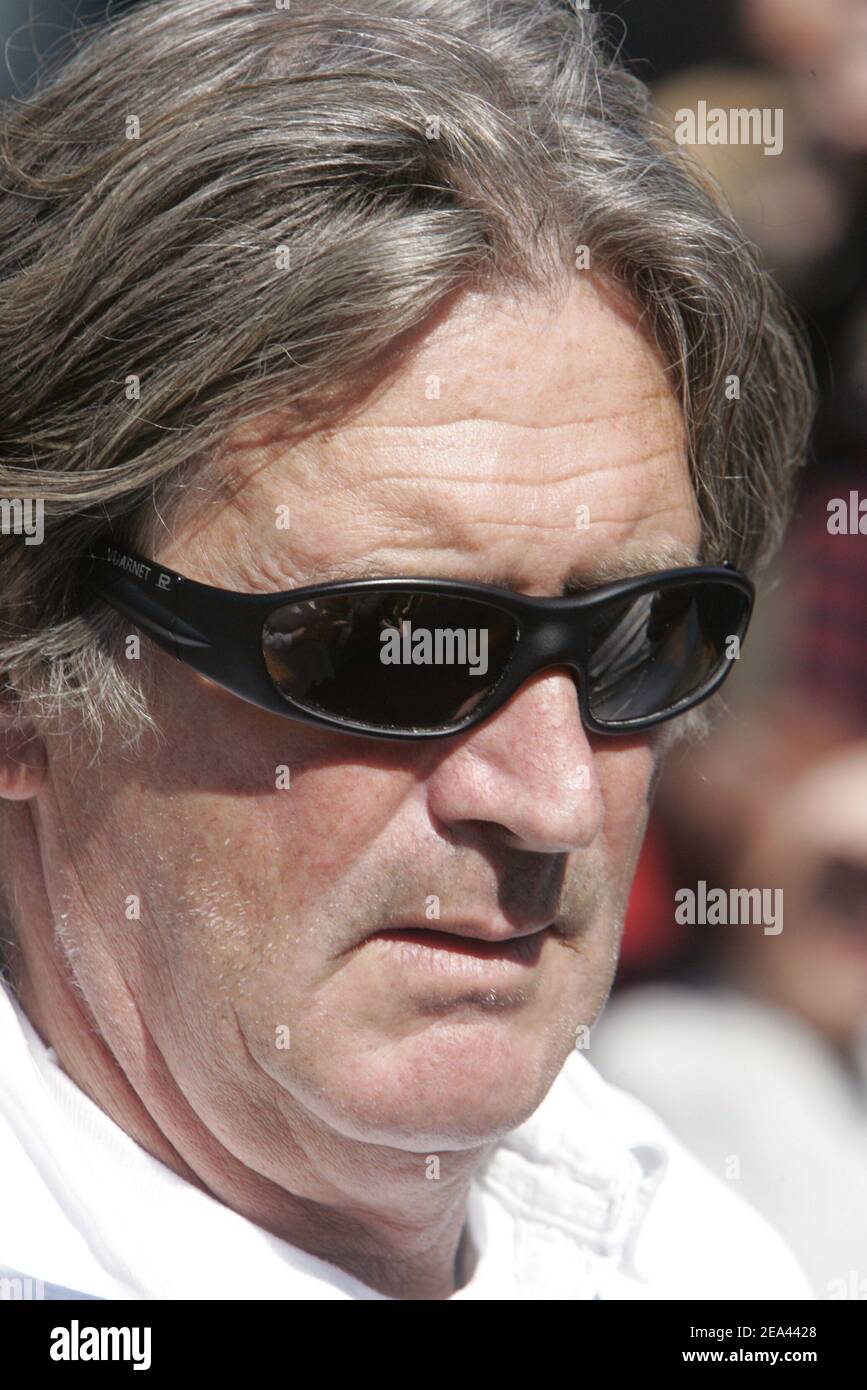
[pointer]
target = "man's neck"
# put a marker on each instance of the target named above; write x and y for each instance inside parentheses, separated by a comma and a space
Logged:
(389, 1250)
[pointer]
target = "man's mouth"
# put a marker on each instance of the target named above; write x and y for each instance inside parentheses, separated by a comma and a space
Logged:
(459, 950)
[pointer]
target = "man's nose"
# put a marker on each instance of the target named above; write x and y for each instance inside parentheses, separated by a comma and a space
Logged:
(530, 770)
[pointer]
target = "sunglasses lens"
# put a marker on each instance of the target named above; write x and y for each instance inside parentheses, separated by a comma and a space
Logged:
(395, 659)
(651, 652)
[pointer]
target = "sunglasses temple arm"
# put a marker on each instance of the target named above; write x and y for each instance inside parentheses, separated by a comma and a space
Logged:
(149, 607)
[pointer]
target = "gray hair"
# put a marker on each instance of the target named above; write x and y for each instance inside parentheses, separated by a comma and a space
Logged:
(398, 150)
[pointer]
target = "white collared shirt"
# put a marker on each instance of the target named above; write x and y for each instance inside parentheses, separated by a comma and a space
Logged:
(591, 1198)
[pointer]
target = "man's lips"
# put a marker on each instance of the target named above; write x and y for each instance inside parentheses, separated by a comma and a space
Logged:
(477, 930)
(476, 940)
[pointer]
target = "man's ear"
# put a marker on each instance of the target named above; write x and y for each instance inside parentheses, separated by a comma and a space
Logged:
(22, 752)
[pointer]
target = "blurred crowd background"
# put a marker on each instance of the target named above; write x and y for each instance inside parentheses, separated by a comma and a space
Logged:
(752, 1045)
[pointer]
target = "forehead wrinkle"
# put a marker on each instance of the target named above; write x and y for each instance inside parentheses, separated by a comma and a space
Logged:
(636, 403)
(436, 456)
(430, 509)
(336, 449)
(635, 560)
(434, 525)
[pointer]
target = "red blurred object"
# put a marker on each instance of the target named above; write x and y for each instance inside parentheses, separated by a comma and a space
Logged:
(828, 592)
(649, 935)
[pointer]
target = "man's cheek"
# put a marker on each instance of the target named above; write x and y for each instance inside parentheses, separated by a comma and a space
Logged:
(625, 780)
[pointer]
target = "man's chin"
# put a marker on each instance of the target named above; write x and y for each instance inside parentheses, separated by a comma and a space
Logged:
(455, 1085)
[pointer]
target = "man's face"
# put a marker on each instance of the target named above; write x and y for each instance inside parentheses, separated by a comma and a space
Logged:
(258, 901)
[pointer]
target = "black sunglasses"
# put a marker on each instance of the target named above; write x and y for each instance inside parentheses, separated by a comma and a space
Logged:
(426, 658)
